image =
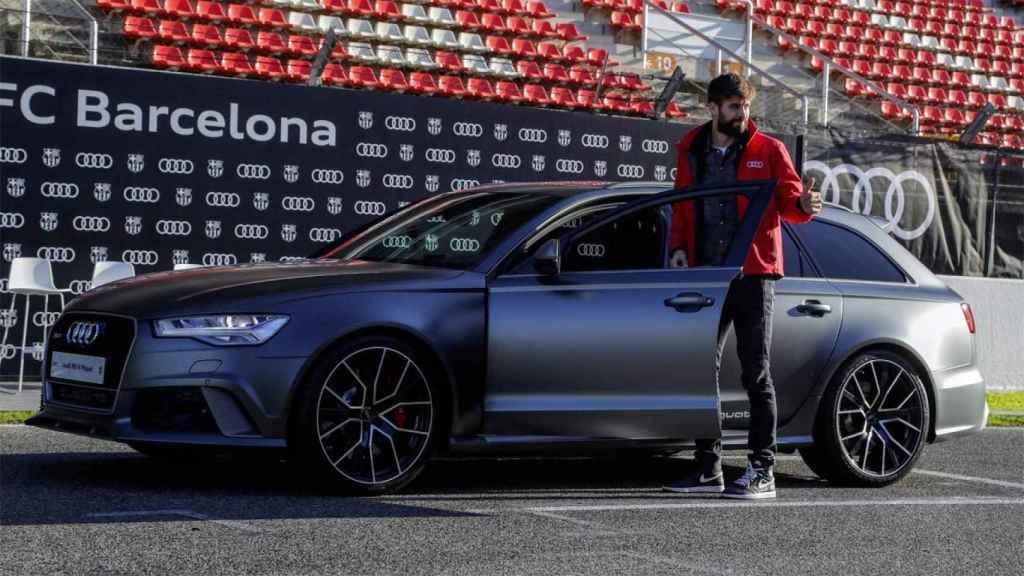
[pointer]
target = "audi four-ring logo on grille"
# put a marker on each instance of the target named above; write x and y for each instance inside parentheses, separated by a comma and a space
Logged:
(253, 171)
(173, 227)
(323, 234)
(397, 241)
(567, 166)
(84, 333)
(400, 123)
(91, 223)
(59, 189)
(368, 208)
(468, 129)
(398, 181)
(219, 259)
(440, 155)
(175, 166)
(12, 220)
(251, 231)
(464, 245)
(654, 146)
(223, 199)
(326, 176)
(13, 155)
(506, 161)
(535, 135)
(630, 171)
(594, 141)
(141, 194)
(370, 150)
(94, 160)
(140, 257)
(590, 250)
(462, 184)
(56, 253)
(298, 203)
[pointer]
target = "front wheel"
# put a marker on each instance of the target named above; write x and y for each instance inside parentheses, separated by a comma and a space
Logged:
(873, 422)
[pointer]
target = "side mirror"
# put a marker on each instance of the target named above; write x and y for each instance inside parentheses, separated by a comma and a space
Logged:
(548, 261)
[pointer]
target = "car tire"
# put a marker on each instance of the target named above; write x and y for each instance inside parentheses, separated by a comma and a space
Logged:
(360, 447)
(872, 423)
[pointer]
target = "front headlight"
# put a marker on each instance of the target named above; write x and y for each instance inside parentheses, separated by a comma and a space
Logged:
(222, 329)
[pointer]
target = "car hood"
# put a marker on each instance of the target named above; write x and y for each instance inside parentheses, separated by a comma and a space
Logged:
(259, 284)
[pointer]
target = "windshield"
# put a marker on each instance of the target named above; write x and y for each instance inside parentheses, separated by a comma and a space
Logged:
(453, 233)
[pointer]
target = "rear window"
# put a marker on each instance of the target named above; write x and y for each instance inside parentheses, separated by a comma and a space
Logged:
(845, 255)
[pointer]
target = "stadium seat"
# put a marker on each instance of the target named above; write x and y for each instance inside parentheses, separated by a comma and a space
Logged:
(475, 64)
(210, 11)
(388, 10)
(362, 29)
(339, 7)
(549, 51)
(302, 45)
(202, 60)
(538, 10)
(422, 83)
(480, 88)
(599, 57)
(496, 44)
(415, 13)
(513, 8)
(361, 8)
(139, 27)
(543, 29)
(452, 85)
(536, 94)
(508, 91)
(393, 80)
(673, 111)
(363, 77)
(582, 76)
(504, 68)
(236, 64)
(556, 73)
(181, 9)
(325, 23)
(239, 40)
(587, 99)
(269, 67)
(168, 57)
(113, 5)
(148, 7)
(207, 35)
(390, 56)
(468, 20)
(442, 38)
(417, 35)
(419, 58)
(448, 61)
(524, 48)
(270, 42)
(517, 26)
(241, 14)
(563, 97)
(473, 42)
(362, 52)
(273, 18)
(529, 70)
(574, 54)
(441, 17)
(389, 32)
(567, 31)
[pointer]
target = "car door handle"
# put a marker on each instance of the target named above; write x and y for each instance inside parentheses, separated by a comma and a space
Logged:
(814, 308)
(689, 300)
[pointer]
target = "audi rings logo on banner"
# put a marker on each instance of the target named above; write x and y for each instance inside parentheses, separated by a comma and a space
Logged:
(567, 166)
(173, 227)
(440, 155)
(59, 189)
(594, 141)
(895, 198)
(468, 129)
(506, 161)
(140, 194)
(463, 183)
(654, 146)
(326, 176)
(79, 286)
(464, 245)
(396, 241)
(56, 253)
(219, 259)
(251, 231)
(371, 150)
(368, 208)
(534, 135)
(94, 160)
(140, 257)
(590, 250)
(324, 234)
(253, 171)
(298, 204)
(175, 166)
(630, 171)
(223, 199)
(13, 155)
(397, 181)
(12, 220)
(91, 223)
(43, 319)
(400, 123)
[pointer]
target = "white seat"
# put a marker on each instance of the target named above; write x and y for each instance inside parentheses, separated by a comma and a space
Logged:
(325, 23)
(415, 13)
(302, 21)
(281, 3)
(417, 35)
(107, 272)
(470, 41)
(503, 67)
(441, 16)
(998, 84)
(930, 43)
(361, 51)
(963, 63)
(911, 39)
(945, 60)
(475, 64)
(420, 58)
(880, 20)
(29, 277)
(444, 38)
(308, 5)
(389, 32)
(390, 55)
(1016, 102)
(898, 23)
(866, 4)
(980, 81)
(187, 266)
(361, 29)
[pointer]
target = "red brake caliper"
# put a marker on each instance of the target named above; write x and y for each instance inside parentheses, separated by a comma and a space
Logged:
(400, 417)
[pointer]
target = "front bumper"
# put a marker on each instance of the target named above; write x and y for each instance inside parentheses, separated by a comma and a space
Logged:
(960, 406)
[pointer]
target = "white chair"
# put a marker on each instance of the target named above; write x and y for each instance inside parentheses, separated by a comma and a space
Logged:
(187, 266)
(390, 55)
(1016, 102)
(898, 23)
(361, 51)
(420, 58)
(472, 42)
(880, 20)
(107, 272)
(444, 38)
(325, 23)
(963, 63)
(417, 35)
(389, 32)
(29, 277)
(475, 64)
(361, 29)
(911, 39)
(415, 13)
(306, 5)
(998, 84)
(980, 81)
(302, 21)
(930, 43)
(945, 60)
(503, 67)
(441, 16)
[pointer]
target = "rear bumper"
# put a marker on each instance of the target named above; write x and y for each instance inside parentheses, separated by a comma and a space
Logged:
(960, 406)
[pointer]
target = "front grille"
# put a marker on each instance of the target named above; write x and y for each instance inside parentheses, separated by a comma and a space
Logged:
(112, 341)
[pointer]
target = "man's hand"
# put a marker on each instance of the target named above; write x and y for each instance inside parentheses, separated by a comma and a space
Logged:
(678, 259)
(810, 199)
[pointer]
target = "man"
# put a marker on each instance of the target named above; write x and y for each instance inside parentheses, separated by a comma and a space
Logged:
(727, 149)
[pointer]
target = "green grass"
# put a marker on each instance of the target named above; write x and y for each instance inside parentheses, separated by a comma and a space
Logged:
(15, 417)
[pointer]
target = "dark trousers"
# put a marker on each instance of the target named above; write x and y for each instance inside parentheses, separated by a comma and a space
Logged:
(748, 309)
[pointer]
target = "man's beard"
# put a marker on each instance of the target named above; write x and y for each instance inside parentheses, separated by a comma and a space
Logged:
(733, 129)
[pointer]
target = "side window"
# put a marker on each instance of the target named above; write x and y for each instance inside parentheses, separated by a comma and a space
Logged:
(523, 263)
(635, 242)
(794, 260)
(845, 255)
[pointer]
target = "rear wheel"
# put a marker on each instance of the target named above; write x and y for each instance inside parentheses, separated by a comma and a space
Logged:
(368, 416)
(872, 424)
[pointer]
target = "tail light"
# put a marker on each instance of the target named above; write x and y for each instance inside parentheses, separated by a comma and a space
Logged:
(968, 316)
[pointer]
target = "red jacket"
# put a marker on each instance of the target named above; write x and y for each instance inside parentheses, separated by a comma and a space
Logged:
(762, 158)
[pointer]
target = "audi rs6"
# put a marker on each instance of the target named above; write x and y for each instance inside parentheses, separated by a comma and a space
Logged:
(521, 318)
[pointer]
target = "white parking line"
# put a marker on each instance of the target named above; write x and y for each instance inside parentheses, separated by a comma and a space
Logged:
(992, 481)
(191, 514)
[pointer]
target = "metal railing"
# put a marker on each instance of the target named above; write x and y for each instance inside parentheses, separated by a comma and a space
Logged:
(28, 12)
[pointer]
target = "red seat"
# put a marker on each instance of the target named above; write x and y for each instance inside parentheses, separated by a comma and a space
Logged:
(272, 18)
(388, 10)
(239, 39)
(151, 7)
(492, 23)
(642, 107)
(567, 31)
(480, 88)
(529, 70)
(507, 91)
(588, 99)
(573, 53)
(202, 60)
(523, 48)
(113, 5)
(922, 75)
(543, 29)
(485, 5)
(562, 96)
(271, 42)
(1013, 124)
(976, 99)
(549, 50)
(452, 85)
(538, 10)
(513, 7)
(536, 94)
(673, 111)
(236, 64)
(599, 57)
(338, 53)
(960, 79)
(269, 67)
(334, 75)
(621, 20)
(615, 103)
(998, 100)
(933, 115)
(916, 93)
(828, 47)
(894, 89)
(335, 7)
(394, 80)
(887, 53)
(902, 73)
(207, 34)
(447, 61)
(940, 77)
(139, 27)
(556, 73)
(517, 25)
(360, 8)
(241, 14)
(302, 45)
(956, 98)
(582, 76)
(468, 20)
(631, 81)
(173, 31)
(880, 71)
(892, 111)
(363, 77)
(180, 8)
(210, 11)
(422, 83)
(168, 57)
(498, 44)
(936, 96)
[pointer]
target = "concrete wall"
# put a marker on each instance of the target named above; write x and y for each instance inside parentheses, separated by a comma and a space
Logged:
(998, 307)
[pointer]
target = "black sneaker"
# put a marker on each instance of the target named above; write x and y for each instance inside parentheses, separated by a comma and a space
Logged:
(699, 482)
(755, 484)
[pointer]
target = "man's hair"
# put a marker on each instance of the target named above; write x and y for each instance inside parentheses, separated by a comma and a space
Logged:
(729, 85)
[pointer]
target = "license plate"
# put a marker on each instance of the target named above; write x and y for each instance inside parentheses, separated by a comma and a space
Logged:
(78, 367)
